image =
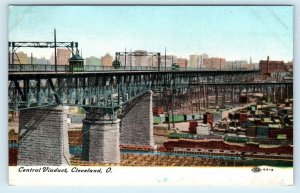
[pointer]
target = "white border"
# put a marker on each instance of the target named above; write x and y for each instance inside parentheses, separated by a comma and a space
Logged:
(150, 176)
(3, 103)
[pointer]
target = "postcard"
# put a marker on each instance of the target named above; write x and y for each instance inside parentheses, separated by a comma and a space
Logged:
(150, 95)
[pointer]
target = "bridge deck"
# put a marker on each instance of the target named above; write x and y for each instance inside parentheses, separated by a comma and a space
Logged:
(17, 75)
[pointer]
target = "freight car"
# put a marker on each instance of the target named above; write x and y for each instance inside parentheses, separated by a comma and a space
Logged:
(234, 139)
(137, 147)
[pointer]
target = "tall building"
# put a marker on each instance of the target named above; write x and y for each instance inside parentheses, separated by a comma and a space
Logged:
(139, 58)
(152, 61)
(182, 62)
(92, 61)
(63, 55)
(214, 63)
(168, 60)
(196, 60)
(106, 60)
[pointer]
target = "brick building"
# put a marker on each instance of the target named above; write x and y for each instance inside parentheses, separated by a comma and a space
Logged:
(20, 58)
(267, 67)
(106, 60)
(63, 55)
(182, 62)
(92, 61)
(196, 60)
(214, 63)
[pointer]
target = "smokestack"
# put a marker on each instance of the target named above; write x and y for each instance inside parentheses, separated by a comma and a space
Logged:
(268, 63)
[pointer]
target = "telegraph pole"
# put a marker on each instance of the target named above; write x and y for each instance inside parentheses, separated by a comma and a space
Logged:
(165, 58)
(55, 58)
(125, 56)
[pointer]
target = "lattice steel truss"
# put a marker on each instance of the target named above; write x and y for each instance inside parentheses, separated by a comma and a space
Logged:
(102, 90)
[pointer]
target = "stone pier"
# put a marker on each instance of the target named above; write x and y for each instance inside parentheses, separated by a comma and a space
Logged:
(43, 137)
(137, 122)
(101, 135)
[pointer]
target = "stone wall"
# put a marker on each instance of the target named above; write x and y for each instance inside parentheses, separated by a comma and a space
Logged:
(43, 137)
(137, 122)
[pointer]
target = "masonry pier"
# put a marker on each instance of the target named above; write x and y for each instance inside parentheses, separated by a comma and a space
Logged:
(101, 135)
(137, 121)
(43, 137)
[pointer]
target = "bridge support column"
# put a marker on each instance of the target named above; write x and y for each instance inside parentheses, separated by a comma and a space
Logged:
(206, 97)
(232, 95)
(223, 96)
(137, 122)
(269, 94)
(281, 93)
(101, 136)
(273, 94)
(43, 137)
(216, 95)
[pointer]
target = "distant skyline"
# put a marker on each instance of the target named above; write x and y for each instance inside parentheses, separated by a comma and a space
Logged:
(232, 32)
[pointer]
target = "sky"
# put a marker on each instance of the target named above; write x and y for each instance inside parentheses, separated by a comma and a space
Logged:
(232, 32)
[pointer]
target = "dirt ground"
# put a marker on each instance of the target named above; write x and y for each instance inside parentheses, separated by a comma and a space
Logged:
(181, 127)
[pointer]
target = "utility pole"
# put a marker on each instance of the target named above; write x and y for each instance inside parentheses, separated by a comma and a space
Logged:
(167, 99)
(158, 60)
(172, 101)
(130, 59)
(55, 58)
(165, 58)
(125, 57)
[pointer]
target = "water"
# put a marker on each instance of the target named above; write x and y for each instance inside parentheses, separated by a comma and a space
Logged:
(75, 150)
(13, 145)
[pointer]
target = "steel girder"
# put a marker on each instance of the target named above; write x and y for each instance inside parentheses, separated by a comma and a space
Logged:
(99, 90)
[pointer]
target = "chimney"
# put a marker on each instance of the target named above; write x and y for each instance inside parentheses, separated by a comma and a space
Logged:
(268, 68)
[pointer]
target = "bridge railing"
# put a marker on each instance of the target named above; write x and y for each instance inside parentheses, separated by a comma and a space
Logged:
(93, 68)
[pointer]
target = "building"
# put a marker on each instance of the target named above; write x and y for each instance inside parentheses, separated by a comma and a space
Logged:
(196, 60)
(289, 66)
(35, 60)
(152, 61)
(41, 60)
(140, 58)
(63, 55)
(182, 62)
(214, 63)
(19, 58)
(274, 69)
(239, 64)
(267, 67)
(51, 59)
(168, 60)
(92, 61)
(106, 60)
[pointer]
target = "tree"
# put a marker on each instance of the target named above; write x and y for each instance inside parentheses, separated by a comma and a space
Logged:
(116, 64)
